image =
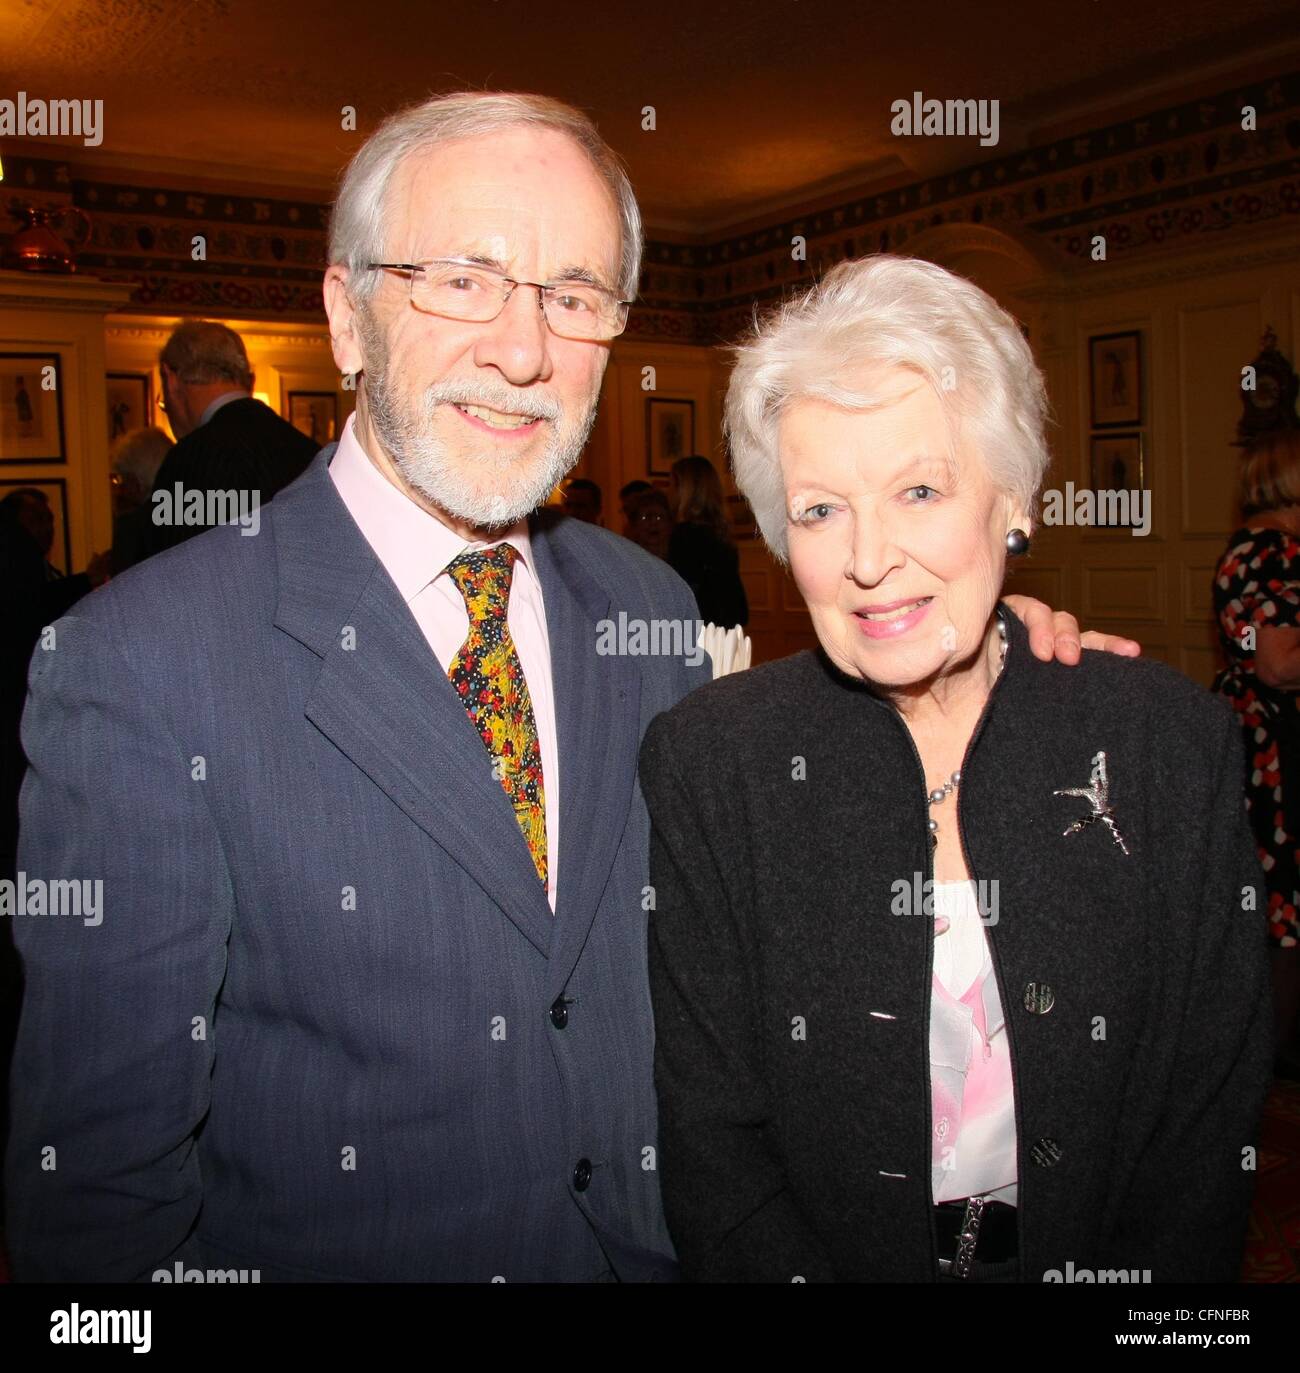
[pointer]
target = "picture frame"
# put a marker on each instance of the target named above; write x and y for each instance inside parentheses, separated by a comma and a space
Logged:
(31, 411)
(1117, 462)
(1115, 380)
(669, 433)
(56, 492)
(130, 402)
(315, 414)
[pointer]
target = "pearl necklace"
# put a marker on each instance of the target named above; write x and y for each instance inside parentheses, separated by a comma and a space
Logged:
(935, 797)
(946, 789)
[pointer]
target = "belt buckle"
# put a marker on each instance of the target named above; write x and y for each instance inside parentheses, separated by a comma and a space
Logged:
(968, 1238)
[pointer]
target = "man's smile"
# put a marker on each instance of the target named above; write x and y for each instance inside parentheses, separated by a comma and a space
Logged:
(497, 420)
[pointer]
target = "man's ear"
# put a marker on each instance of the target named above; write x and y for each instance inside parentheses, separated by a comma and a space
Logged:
(342, 315)
(178, 408)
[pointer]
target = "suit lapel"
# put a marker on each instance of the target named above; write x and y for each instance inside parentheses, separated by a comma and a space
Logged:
(597, 706)
(383, 700)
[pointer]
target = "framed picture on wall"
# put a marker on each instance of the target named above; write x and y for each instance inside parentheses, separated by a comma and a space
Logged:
(130, 403)
(1117, 463)
(31, 408)
(316, 414)
(1115, 380)
(669, 433)
(55, 491)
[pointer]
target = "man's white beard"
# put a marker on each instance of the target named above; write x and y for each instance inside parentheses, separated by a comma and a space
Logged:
(510, 487)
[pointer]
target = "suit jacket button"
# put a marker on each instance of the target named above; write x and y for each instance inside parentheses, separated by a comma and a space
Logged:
(582, 1175)
(559, 1013)
(1039, 998)
(1046, 1153)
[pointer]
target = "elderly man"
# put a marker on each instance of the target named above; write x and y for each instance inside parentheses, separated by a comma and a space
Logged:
(368, 997)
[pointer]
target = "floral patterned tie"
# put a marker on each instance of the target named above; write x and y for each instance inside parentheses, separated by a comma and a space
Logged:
(489, 678)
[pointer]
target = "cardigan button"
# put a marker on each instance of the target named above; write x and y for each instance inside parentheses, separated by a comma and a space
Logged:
(582, 1175)
(1046, 1153)
(1039, 998)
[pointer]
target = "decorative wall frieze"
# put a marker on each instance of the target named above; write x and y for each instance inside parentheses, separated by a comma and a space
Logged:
(1179, 178)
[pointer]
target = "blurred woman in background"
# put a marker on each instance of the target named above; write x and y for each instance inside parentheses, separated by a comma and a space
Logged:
(700, 550)
(133, 465)
(1257, 600)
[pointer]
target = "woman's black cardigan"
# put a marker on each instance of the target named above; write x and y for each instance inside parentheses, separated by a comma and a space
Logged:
(792, 1003)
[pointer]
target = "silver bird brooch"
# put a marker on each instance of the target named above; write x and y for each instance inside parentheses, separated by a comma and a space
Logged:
(1097, 795)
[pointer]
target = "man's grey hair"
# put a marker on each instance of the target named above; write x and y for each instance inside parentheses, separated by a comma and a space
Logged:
(201, 351)
(359, 222)
(884, 312)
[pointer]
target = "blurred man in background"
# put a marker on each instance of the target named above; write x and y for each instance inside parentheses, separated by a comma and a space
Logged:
(226, 440)
(582, 500)
(627, 497)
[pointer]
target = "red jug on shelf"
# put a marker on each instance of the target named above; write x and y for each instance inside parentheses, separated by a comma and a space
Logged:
(36, 246)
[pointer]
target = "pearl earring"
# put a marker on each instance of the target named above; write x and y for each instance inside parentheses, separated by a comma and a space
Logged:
(1017, 543)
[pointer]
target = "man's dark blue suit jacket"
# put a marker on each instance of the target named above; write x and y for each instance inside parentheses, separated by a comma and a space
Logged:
(329, 1027)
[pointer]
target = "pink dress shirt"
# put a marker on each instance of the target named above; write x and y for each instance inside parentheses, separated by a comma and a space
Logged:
(973, 1109)
(415, 548)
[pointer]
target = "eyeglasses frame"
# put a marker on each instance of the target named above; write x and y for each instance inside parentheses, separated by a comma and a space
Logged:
(542, 288)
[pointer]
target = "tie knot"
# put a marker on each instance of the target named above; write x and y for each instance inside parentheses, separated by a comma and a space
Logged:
(483, 577)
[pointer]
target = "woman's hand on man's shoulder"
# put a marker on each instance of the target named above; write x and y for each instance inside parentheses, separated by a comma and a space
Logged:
(1055, 633)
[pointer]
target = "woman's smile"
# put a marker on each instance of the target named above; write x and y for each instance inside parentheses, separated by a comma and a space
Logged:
(891, 621)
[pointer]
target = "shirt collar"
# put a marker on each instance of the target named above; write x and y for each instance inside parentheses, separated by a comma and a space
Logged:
(224, 399)
(413, 545)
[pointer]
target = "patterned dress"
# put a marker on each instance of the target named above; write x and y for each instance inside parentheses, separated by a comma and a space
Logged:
(1258, 584)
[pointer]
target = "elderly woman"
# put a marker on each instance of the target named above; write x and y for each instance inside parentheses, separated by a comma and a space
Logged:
(958, 957)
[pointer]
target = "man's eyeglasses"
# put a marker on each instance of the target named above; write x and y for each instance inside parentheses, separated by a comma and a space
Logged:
(457, 289)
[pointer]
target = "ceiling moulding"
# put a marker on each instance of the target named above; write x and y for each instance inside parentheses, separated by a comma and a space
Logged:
(179, 174)
(308, 337)
(883, 173)
(1043, 168)
(1276, 58)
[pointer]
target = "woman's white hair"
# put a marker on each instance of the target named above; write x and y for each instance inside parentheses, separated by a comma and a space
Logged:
(881, 312)
(359, 221)
(139, 454)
